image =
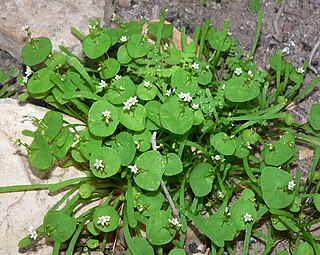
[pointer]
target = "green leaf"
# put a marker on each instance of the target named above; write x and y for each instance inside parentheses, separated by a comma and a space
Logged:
(85, 190)
(92, 243)
(135, 118)
(173, 165)
(40, 81)
(62, 144)
(137, 46)
(51, 125)
(88, 142)
(176, 117)
(177, 252)
(123, 56)
(241, 148)
(238, 89)
(315, 116)
(274, 183)
(110, 68)
(39, 153)
(100, 125)
(56, 60)
(104, 211)
(151, 166)
(277, 224)
(316, 200)
(166, 31)
(158, 230)
(217, 41)
(95, 46)
(204, 78)
(153, 115)
(305, 248)
(92, 229)
(150, 202)
(111, 162)
(59, 225)
(239, 208)
(174, 57)
(36, 51)
(201, 179)
(143, 246)
(223, 143)
(146, 94)
(142, 140)
(121, 90)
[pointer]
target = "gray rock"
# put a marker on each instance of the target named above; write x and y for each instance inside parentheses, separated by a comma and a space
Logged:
(52, 19)
(20, 210)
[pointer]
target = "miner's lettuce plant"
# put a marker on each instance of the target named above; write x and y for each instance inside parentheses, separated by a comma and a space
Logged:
(170, 135)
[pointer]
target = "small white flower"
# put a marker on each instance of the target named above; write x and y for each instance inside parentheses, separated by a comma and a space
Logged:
(250, 73)
(217, 157)
(247, 217)
(114, 17)
(130, 102)
(291, 185)
(195, 106)
(181, 95)
(103, 220)
(238, 71)
(106, 114)
(134, 169)
(174, 222)
(220, 194)
(223, 86)
(147, 84)
(123, 38)
(77, 140)
(28, 71)
(133, 100)
(187, 97)
(300, 70)
(25, 79)
(25, 27)
(165, 46)
(102, 84)
(127, 105)
(32, 233)
(207, 67)
(98, 164)
(195, 65)
(117, 77)
(168, 92)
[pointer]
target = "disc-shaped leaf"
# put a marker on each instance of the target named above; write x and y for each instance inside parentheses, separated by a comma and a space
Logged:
(39, 153)
(56, 59)
(123, 56)
(135, 118)
(173, 164)
(100, 125)
(151, 167)
(59, 225)
(238, 89)
(110, 68)
(240, 208)
(277, 224)
(40, 81)
(106, 211)
(223, 143)
(158, 230)
(95, 46)
(142, 140)
(176, 117)
(201, 178)
(88, 142)
(110, 164)
(204, 78)
(112, 32)
(217, 40)
(279, 153)
(315, 116)
(153, 115)
(36, 51)
(198, 117)
(124, 145)
(146, 94)
(142, 245)
(121, 90)
(241, 148)
(274, 183)
(51, 125)
(305, 248)
(62, 144)
(150, 202)
(179, 78)
(166, 31)
(177, 252)
(138, 47)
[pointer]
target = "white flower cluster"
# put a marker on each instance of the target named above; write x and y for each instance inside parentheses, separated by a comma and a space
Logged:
(28, 72)
(195, 65)
(32, 233)
(123, 38)
(169, 91)
(117, 77)
(98, 164)
(134, 169)
(147, 84)
(103, 220)
(247, 217)
(186, 97)
(300, 70)
(174, 222)
(130, 102)
(238, 71)
(291, 185)
(102, 84)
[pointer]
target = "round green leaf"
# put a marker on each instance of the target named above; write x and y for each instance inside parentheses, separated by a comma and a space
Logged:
(204, 78)
(274, 183)
(153, 115)
(241, 148)
(40, 81)
(124, 145)
(36, 51)
(158, 230)
(85, 190)
(177, 252)
(150, 202)
(305, 248)
(135, 118)
(166, 31)
(111, 162)
(51, 125)
(176, 117)
(277, 224)
(137, 46)
(279, 153)
(88, 142)
(121, 90)
(112, 32)
(173, 165)
(98, 124)
(201, 179)
(315, 116)
(95, 46)
(217, 40)
(110, 68)
(239, 208)
(61, 146)
(223, 143)
(146, 94)
(316, 200)
(105, 211)
(92, 243)
(238, 89)
(123, 56)
(151, 166)
(56, 60)
(250, 136)
(142, 140)
(198, 117)
(143, 246)
(92, 229)
(59, 225)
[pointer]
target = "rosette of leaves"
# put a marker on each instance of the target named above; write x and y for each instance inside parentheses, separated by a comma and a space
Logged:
(171, 134)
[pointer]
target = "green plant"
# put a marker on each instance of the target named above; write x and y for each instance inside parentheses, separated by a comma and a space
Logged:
(171, 136)
(4, 86)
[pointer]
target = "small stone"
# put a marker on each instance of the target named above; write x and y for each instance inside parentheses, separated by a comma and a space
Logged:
(124, 3)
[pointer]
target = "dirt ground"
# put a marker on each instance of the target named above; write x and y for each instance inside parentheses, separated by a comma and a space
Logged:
(288, 25)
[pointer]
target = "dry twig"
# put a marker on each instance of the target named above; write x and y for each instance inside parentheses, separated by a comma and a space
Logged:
(278, 34)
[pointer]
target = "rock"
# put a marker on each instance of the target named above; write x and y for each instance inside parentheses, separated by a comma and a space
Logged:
(124, 3)
(20, 210)
(52, 19)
